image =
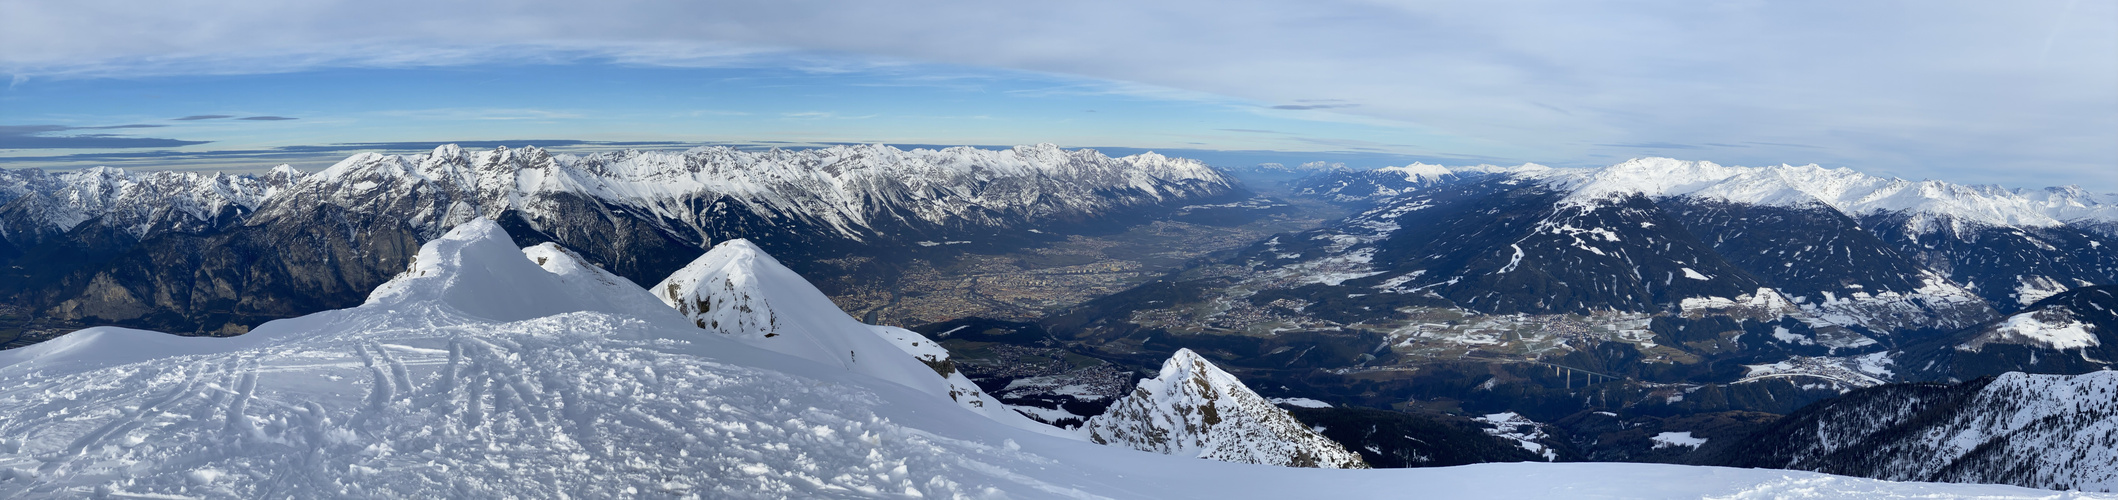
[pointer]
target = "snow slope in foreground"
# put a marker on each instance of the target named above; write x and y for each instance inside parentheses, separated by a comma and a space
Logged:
(481, 374)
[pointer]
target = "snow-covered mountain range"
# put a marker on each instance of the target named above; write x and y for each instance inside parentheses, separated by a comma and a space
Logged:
(213, 253)
(855, 192)
(1843, 189)
(484, 370)
(35, 204)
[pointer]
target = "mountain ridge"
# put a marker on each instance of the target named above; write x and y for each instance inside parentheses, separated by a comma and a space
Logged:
(641, 214)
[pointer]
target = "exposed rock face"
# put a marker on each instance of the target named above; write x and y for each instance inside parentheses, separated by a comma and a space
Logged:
(1192, 408)
(242, 276)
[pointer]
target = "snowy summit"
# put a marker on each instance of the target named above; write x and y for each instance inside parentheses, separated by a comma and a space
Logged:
(1192, 408)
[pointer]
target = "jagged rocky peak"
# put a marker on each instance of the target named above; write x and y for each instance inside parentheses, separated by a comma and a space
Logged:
(719, 291)
(1192, 408)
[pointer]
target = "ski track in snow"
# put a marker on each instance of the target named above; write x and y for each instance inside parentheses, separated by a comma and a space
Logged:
(597, 416)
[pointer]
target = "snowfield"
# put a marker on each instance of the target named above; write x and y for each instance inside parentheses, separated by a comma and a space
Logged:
(481, 373)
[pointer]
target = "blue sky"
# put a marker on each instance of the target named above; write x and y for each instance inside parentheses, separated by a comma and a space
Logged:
(2022, 94)
(262, 119)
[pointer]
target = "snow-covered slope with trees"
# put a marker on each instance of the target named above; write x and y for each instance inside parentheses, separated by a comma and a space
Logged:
(483, 373)
(2044, 431)
(1193, 409)
(2075, 331)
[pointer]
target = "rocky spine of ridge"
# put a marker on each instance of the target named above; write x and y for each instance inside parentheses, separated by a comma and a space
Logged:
(1193, 408)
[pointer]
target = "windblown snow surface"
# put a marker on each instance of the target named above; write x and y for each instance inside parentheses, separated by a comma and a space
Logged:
(481, 373)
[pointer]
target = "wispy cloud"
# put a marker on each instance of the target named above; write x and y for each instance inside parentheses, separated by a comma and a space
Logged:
(35, 137)
(1314, 106)
(106, 127)
(203, 117)
(462, 114)
(1785, 145)
(1650, 145)
(824, 115)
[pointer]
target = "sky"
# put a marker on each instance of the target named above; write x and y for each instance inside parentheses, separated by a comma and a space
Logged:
(2020, 93)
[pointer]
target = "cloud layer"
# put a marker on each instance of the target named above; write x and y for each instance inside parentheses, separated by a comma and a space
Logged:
(36, 137)
(1920, 89)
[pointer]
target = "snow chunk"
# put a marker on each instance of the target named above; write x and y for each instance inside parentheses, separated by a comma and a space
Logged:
(1522, 430)
(1684, 439)
(1300, 402)
(2057, 333)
